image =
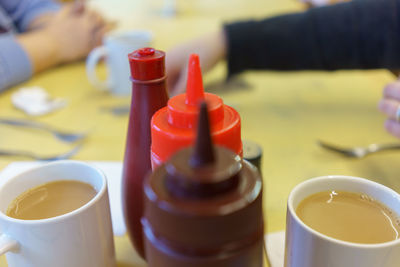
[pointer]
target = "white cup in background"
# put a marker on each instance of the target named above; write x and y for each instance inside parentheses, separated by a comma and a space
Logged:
(115, 50)
(81, 238)
(306, 247)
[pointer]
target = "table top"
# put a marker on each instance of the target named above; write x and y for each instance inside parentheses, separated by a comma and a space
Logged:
(286, 113)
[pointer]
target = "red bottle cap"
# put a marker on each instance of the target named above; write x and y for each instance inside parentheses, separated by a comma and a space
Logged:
(147, 64)
(173, 127)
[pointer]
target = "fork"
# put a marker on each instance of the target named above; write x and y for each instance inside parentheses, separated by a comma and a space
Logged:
(60, 135)
(28, 154)
(359, 152)
(118, 110)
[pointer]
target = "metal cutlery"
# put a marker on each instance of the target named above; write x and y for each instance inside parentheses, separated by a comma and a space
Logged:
(359, 152)
(67, 137)
(31, 155)
(118, 110)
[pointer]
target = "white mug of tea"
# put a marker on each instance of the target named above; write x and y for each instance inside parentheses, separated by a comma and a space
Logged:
(342, 221)
(38, 227)
(115, 50)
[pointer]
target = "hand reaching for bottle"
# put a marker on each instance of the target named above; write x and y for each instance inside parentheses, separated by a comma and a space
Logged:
(390, 105)
(211, 49)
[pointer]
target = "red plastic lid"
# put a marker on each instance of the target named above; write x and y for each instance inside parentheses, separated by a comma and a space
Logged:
(173, 127)
(147, 64)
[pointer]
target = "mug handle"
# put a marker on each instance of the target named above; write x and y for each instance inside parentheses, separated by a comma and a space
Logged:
(7, 244)
(91, 63)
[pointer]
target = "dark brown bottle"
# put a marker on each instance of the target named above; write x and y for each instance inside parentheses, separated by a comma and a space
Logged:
(148, 95)
(203, 208)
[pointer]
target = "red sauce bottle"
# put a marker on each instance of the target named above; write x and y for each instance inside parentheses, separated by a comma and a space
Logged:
(174, 127)
(203, 208)
(148, 95)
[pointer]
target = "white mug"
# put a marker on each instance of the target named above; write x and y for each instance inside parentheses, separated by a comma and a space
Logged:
(306, 247)
(115, 50)
(81, 238)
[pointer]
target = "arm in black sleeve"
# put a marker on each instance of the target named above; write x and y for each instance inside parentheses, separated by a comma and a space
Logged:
(361, 34)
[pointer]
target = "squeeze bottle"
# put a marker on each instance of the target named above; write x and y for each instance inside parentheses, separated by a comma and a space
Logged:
(203, 208)
(173, 127)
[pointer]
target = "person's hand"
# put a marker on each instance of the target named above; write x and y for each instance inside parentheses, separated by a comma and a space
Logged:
(211, 49)
(75, 31)
(65, 36)
(390, 105)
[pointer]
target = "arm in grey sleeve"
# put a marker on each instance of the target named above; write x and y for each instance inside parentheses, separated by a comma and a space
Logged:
(15, 66)
(23, 12)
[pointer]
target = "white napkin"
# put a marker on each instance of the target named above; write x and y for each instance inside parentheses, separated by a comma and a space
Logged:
(36, 101)
(275, 242)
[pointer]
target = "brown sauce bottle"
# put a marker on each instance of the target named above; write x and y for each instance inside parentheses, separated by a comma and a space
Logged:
(203, 208)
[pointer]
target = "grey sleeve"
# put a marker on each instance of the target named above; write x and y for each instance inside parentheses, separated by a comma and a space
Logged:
(15, 65)
(23, 12)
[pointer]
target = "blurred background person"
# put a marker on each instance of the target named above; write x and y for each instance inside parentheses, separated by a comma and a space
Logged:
(39, 34)
(360, 34)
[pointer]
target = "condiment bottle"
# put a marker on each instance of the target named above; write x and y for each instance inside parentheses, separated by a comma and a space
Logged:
(148, 95)
(252, 152)
(203, 208)
(173, 127)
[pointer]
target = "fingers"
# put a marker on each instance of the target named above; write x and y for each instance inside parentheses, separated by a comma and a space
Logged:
(78, 7)
(177, 74)
(100, 32)
(97, 19)
(98, 36)
(392, 91)
(389, 107)
(390, 102)
(180, 85)
(111, 25)
(96, 26)
(66, 10)
(393, 128)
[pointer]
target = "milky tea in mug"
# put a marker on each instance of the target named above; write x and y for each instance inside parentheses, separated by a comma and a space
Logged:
(50, 200)
(350, 217)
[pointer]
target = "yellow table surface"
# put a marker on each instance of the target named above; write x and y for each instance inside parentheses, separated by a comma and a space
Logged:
(286, 113)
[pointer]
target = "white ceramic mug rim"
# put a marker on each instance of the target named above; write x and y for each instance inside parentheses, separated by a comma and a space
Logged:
(300, 186)
(145, 35)
(62, 217)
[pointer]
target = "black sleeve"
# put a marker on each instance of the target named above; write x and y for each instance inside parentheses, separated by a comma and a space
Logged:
(361, 34)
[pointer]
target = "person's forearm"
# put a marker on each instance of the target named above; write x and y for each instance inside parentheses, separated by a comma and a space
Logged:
(362, 34)
(41, 50)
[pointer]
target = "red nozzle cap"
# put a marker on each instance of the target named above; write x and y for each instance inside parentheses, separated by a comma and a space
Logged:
(183, 109)
(194, 85)
(174, 126)
(147, 64)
